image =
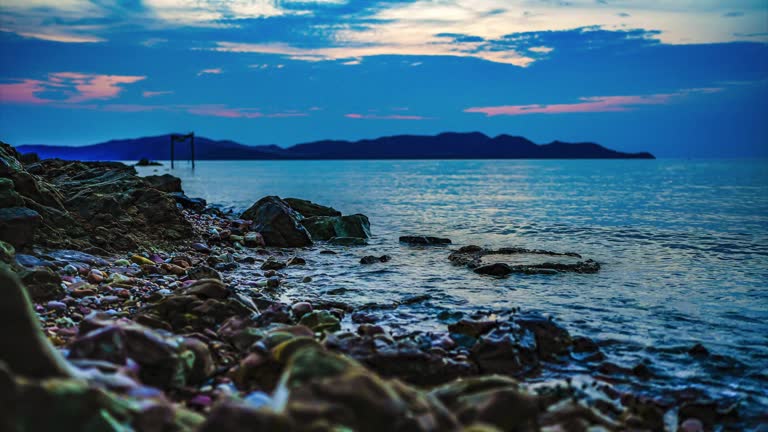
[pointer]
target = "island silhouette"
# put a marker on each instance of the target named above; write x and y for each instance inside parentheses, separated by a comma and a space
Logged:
(448, 145)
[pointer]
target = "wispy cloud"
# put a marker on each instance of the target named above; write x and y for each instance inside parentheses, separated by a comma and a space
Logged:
(150, 94)
(592, 104)
(384, 117)
(212, 71)
(66, 87)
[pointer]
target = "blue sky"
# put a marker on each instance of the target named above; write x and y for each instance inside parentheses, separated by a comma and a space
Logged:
(679, 78)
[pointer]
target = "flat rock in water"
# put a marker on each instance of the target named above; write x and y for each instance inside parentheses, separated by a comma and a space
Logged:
(505, 261)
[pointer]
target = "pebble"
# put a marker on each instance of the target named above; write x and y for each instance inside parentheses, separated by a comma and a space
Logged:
(95, 276)
(56, 305)
(691, 425)
(138, 259)
(301, 308)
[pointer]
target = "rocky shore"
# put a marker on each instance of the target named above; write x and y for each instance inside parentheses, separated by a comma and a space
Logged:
(130, 306)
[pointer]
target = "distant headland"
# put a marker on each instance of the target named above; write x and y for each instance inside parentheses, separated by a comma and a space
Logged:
(448, 145)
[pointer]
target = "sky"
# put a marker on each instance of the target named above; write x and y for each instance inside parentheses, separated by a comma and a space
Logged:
(678, 78)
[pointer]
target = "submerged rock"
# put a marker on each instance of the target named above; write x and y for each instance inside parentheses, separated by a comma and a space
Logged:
(277, 223)
(424, 240)
(506, 261)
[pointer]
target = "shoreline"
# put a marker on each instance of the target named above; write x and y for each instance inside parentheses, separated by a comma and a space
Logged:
(248, 350)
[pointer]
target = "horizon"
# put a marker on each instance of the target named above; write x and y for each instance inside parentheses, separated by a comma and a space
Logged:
(672, 79)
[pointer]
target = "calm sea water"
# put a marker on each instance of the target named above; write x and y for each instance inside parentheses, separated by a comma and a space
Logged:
(683, 244)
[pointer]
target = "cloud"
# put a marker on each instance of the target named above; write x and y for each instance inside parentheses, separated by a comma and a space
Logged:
(150, 94)
(66, 87)
(384, 117)
(592, 104)
(212, 71)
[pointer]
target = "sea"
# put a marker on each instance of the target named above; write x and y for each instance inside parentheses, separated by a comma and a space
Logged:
(683, 246)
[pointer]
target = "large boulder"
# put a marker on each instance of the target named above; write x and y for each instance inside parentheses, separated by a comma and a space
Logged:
(8, 195)
(328, 227)
(18, 225)
(278, 223)
(310, 209)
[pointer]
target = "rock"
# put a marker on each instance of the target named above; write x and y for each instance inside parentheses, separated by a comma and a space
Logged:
(505, 352)
(273, 264)
(495, 269)
(324, 387)
(8, 253)
(253, 239)
(293, 261)
(209, 288)
(161, 361)
(320, 321)
(300, 309)
(18, 225)
(194, 204)
(505, 261)
(8, 195)
(370, 259)
(328, 227)
(424, 240)
(165, 183)
(203, 366)
(698, 351)
(472, 328)
(95, 276)
(30, 261)
(348, 241)
(147, 162)
(278, 224)
(201, 247)
(203, 272)
(309, 209)
(492, 400)
(691, 425)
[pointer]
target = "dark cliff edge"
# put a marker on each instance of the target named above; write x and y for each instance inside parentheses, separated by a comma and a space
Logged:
(449, 145)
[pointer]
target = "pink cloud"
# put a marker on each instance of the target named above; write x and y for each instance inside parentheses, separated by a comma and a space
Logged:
(384, 117)
(592, 104)
(23, 92)
(66, 87)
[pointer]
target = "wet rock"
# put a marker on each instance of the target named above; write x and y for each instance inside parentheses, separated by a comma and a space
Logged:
(309, 209)
(194, 204)
(300, 309)
(147, 162)
(348, 241)
(691, 425)
(328, 227)
(551, 339)
(209, 288)
(505, 352)
(491, 400)
(320, 321)
(203, 272)
(165, 183)
(495, 269)
(253, 239)
(472, 328)
(698, 351)
(273, 264)
(30, 261)
(424, 240)
(278, 223)
(203, 366)
(293, 261)
(201, 247)
(370, 259)
(18, 225)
